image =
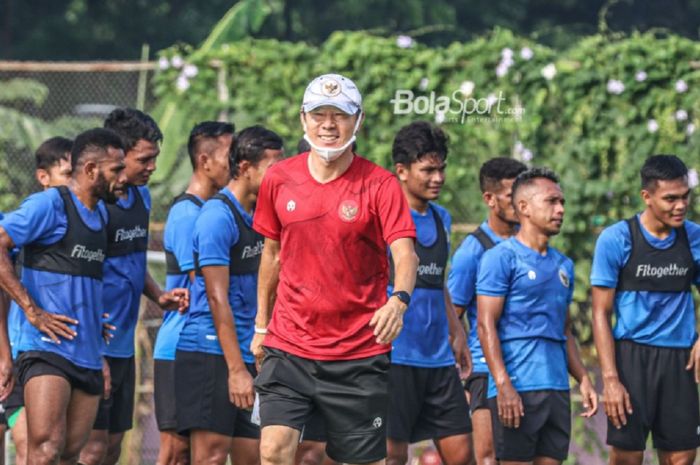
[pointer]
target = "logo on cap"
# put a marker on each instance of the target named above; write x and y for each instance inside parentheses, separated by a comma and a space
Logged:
(330, 88)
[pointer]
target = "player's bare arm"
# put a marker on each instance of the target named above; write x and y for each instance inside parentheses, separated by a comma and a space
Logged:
(268, 278)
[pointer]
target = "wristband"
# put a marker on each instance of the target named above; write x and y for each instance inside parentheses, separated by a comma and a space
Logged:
(260, 330)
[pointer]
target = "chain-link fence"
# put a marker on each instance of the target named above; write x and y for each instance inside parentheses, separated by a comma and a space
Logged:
(42, 100)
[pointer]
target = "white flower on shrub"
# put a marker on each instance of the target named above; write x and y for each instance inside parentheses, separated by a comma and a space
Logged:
(163, 63)
(501, 70)
(423, 83)
(490, 100)
(681, 86)
(652, 126)
(692, 178)
(526, 53)
(690, 129)
(439, 117)
(526, 155)
(681, 115)
(640, 76)
(190, 71)
(549, 71)
(615, 86)
(182, 83)
(404, 41)
(466, 88)
(176, 61)
(521, 152)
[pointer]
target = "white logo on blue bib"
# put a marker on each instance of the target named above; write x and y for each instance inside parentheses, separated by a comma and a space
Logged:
(532, 275)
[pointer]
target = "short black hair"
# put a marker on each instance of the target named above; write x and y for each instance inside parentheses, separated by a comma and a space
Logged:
(93, 141)
(528, 177)
(416, 140)
(496, 170)
(52, 151)
(250, 144)
(133, 125)
(661, 168)
(206, 130)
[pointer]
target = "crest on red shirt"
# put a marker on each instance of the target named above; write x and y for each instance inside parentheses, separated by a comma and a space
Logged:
(348, 210)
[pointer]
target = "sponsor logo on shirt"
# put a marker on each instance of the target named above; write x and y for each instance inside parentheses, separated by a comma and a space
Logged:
(291, 206)
(83, 253)
(648, 271)
(432, 270)
(252, 251)
(348, 210)
(532, 275)
(377, 422)
(123, 235)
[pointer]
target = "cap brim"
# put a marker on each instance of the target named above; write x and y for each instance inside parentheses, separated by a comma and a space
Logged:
(345, 107)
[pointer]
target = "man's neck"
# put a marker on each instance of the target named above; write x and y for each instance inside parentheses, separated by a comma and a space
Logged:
(502, 229)
(325, 172)
(417, 204)
(652, 224)
(533, 238)
(241, 190)
(86, 197)
(201, 186)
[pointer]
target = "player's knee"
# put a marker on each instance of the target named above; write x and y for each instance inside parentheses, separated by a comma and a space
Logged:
(275, 452)
(396, 458)
(180, 456)
(46, 452)
(626, 457)
(214, 456)
(94, 452)
(311, 456)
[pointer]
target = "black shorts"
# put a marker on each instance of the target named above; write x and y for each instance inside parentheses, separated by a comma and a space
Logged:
(664, 398)
(201, 390)
(15, 400)
(478, 386)
(426, 403)
(544, 431)
(116, 413)
(351, 395)
(164, 394)
(314, 429)
(39, 363)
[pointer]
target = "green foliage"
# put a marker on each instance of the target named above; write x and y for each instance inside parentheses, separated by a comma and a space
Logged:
(581, 123)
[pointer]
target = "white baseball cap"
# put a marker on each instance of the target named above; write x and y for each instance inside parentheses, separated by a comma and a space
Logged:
(333, 90)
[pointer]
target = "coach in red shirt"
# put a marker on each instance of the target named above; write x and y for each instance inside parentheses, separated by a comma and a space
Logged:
(327, 216)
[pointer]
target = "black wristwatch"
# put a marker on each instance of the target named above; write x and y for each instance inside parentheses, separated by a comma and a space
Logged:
(403, 296)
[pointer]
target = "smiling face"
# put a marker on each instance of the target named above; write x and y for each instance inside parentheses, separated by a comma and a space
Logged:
(423, 179)
(541, 204)
(328, 127)
(668, 201)
(141, 162)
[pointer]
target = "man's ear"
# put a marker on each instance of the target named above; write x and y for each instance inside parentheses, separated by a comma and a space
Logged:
(43, 177)
(402, 171)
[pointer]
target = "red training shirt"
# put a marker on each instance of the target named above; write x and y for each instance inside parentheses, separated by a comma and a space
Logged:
(333, 258)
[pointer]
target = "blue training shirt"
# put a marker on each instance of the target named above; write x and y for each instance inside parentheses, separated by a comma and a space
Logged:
(424, 339)
(215, 232)
(124, 280)
(662, 319)
(42, 219)
(179, 229)
(15, 315)
(462, 285)
(538, 290)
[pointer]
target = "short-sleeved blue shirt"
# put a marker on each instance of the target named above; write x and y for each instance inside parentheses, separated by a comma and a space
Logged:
(538, 290)
(215, 233)
(424, 339)
(179, 228)
(461, 282)
(662, 319)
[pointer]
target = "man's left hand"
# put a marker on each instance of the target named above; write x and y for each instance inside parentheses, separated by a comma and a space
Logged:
(458, 341)
(387, 321)
(175, 299)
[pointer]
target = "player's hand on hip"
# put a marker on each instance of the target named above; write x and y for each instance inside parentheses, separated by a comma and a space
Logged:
(617, 402)
(589, 397)
(387, 321)
(53, 325)
(107, 329)
(510, 406)
(240, 388)
(107, 379)
(175, 299)
(7, 379)
(694, 360)
(256, 347)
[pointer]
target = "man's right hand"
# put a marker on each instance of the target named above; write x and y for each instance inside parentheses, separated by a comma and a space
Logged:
(240, 389)
(51, 324)
(256, 347)
(510, 406)
(617, 402)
